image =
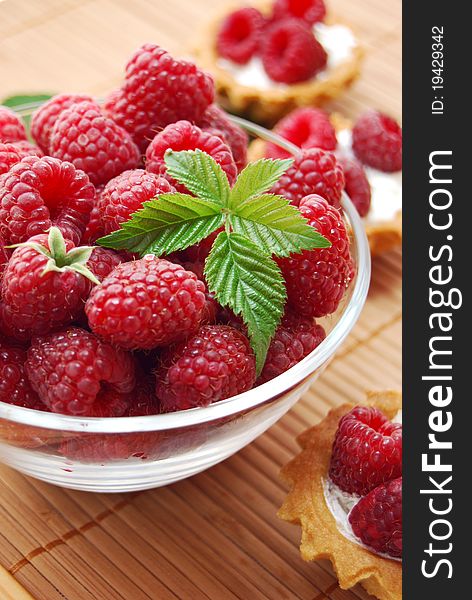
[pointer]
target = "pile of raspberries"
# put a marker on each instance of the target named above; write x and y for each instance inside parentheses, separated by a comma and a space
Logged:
(284, 42)
(144, 336)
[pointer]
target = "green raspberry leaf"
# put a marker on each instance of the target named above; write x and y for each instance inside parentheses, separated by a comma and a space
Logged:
(257, 178)
(165, 224)
(251, 284)
(200, 174)
(276, 226)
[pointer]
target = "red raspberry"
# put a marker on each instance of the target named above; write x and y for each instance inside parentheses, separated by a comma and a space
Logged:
(306, 128)
(44, 287)
(216, 122)
(357, 185)
(377, 141)
(314, 171)
(11, 154)
(4, 258)
(377, 519)
(146, 303)
(15, 387)
(44, 118)
(367, 451)
(11, 126)
(94, 229)
(159, 90)
(199, 252)
(40, 192)
(317, 279)
(93, 143)
(294, 339)
(75, 373)
(185, 136)
(290, 52)
(310, 11)
(239, 35)
(102, 262)
(213, 365)
(125, 194)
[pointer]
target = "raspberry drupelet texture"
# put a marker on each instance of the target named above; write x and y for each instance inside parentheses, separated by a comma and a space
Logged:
(311, 11)
(146, 303)
(5, 254)
(357, 185)
(377, 519)
(159, 90)
(40, 291)
(102, 261)
(45, 117)
(93, 143)
(290, 52)
(317, 279)
(314, 171)
(125, 194)
(306, 128)
(38, 193)
(11, 126)
(216, 122)
(13, 153)
(76, 373)
(214, 364)
(294, 339)
(239, 35)
(185, 136)
(15, 387)
(377, 141)
(367, 451)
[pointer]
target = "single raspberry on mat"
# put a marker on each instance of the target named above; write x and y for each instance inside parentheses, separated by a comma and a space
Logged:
(46, 283)
(93, 143)
(146, 303)
(310, 11)
(377, 141)
(185, 136)
(367, 451)
(239, 35)
(45, 117)
(76, 373)
(357, 185)
(125, 194)
(214, 364)
(317, 279)
(314, 171)
(38, 193)
(15, 387)
(102, 261)
(294, 339)
(306, 128)
(11, 126)
(290, 52)
(13, 153)
(217, 122)
(377, 519)
(159, 90)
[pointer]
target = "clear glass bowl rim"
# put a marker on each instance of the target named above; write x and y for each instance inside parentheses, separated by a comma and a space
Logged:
(247, 400)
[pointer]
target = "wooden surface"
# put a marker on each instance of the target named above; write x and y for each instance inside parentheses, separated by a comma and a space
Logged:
(216, 535)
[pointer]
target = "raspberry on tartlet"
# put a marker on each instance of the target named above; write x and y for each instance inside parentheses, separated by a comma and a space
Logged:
(240, 34)
(311, 11)
(146, 303)
(377, 141)
(185, 136)
(357, 185)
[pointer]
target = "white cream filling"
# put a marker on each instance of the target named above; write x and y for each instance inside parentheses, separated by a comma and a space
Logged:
(338, 41)
(386, 188)
(340, 505)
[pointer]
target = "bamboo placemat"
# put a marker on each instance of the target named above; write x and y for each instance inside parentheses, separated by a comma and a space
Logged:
(216, 535)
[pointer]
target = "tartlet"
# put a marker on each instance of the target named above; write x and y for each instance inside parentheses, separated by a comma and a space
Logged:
(267, 104)
(384, 234)
(306, 505)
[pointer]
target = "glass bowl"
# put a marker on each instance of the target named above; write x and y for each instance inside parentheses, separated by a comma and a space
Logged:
(136, 453)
